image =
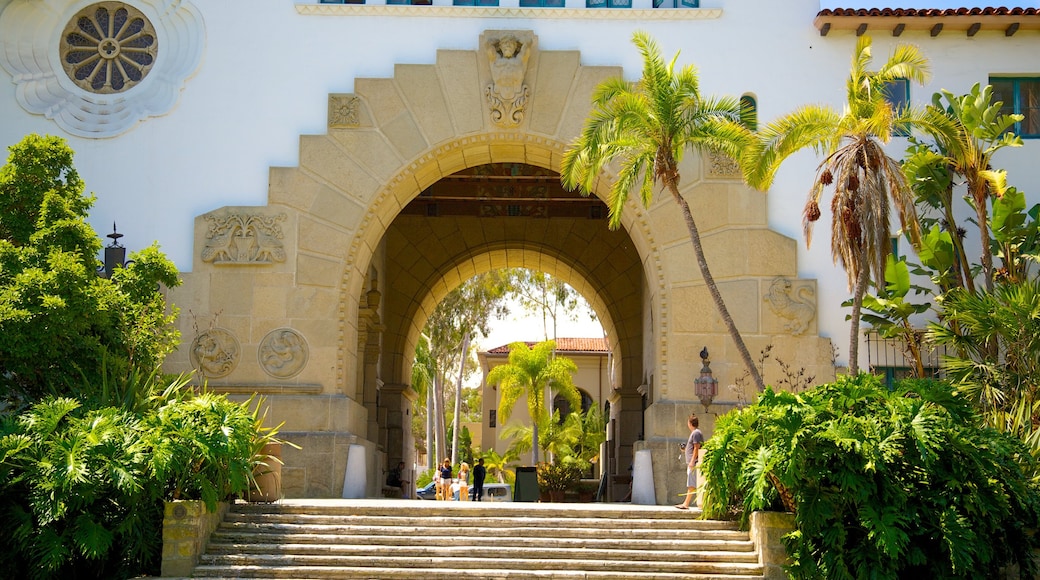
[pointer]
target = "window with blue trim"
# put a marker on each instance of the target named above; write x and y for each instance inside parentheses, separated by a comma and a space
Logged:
(897, 94)
(541, 3)
(608, 3)
(1020, 95)
(677, 3)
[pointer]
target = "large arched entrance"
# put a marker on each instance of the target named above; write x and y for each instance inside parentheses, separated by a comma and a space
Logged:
(317, 298)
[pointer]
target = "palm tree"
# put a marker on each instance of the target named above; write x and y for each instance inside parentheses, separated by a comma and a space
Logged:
(529, 372)
(647, 127)
(980, 131)
(863, 177)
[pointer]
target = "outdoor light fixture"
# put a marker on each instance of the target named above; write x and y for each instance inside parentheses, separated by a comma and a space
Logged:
(706, 386)
(115, 254)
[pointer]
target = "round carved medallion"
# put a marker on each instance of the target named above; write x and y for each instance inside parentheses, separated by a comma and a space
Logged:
(108, 47)
(282, 353)
(215, 353)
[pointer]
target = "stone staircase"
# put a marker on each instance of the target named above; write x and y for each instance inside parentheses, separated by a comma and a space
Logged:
(426, 540)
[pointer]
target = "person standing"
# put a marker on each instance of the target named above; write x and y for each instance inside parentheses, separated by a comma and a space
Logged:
(693, 455)
(445, 485)
(463, 482)
(479, 473)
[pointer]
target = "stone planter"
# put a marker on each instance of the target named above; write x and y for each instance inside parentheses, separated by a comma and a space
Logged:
(187, 527)
(268, 477)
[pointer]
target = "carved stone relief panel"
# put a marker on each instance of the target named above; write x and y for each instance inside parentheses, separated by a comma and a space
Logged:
(283, 353)
(797, 306)
(344, 111)
(244, 238)
(215, 353)
(508, 52)
(722, 165)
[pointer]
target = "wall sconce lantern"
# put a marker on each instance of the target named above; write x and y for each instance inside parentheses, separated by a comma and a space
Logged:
(706, 386)
(115, 254)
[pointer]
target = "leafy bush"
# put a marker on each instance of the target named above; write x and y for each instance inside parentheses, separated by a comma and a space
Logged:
(883, 484)
(59, 320)
(76, 493)
(82, 490)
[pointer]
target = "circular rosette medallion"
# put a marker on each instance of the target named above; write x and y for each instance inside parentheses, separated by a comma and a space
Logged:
(282, 353)
(108, 47)
(215, 353)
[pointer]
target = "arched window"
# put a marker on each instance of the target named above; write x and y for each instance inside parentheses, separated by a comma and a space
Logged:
(748, 103)
(565, 408)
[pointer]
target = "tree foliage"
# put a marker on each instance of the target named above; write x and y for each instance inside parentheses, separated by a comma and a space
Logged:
(530, 372)
(59, 321)
(883, 483)
(647, 127)
(863, 178)
(547, 295)
(82, 488)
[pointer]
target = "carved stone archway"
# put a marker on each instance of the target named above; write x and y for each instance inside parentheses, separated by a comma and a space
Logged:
(331, 274)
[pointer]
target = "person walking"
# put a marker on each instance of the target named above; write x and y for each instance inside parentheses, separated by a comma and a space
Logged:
(693, 454)
(479, 474)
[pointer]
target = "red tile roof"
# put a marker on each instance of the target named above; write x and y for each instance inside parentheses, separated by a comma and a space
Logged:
(927, 12)
(935, 20)
(590, 345)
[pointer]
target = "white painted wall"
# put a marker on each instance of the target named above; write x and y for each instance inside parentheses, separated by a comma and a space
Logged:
(266, 72)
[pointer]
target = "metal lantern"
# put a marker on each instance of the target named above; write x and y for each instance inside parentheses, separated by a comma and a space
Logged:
(115, 253)
(706, 386)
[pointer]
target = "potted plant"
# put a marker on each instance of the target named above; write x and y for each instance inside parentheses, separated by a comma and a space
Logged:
(266, 459)
(557, 477)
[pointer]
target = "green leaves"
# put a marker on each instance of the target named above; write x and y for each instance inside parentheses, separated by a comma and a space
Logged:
(885, 484)
(58, 319)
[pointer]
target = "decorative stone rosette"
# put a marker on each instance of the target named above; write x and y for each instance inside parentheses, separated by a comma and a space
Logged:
(100, 68)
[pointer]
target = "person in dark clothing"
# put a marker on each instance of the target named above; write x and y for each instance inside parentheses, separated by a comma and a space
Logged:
(479, 473)
(394, 478)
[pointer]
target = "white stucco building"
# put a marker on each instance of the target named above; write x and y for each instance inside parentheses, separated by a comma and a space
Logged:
(324, 173)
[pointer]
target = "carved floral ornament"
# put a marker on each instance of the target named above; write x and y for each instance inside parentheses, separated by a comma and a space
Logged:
(98, 69)
(244, 238)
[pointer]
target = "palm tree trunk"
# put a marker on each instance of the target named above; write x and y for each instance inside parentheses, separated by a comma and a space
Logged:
(713, 289)
(857, 307)
(458, 400)
(438, 412)
(979, 193)
(431, 450)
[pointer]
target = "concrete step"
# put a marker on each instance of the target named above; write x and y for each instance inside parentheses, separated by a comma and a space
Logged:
(462, 540)
(468, 530)
(351, 572)
(485, 560)
(466, 551)
(222, 538)
(534, 519)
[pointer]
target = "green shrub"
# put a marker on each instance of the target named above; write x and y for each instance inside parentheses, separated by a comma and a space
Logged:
(76, 493)
(883, 484)
(82, 490)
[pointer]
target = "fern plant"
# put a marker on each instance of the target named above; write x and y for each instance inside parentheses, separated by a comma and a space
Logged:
(883, 484)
